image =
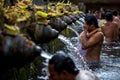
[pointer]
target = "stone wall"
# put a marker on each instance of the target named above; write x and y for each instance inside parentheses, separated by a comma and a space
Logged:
(97, 4)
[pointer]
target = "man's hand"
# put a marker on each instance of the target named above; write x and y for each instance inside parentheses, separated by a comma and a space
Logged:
(84, 39)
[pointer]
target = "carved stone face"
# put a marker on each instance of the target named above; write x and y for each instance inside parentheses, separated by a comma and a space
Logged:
(17, 51)
(19, 45)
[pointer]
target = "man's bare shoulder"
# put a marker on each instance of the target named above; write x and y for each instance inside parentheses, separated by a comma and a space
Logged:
(97, 37)
(116, 19)
(99, 33)
(104, 24)
(87, 75)
(82, 33)
(109, 24)
(115, 23)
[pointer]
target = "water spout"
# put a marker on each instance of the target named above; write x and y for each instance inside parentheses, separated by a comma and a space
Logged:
(77, 29)
(46, 55)
(69, 27)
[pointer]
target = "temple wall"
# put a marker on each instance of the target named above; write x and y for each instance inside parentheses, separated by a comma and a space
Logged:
(97, 4)
(105, 6)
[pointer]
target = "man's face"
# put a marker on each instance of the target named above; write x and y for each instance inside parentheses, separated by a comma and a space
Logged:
(96, 14)
(87, 27)
(54, 75)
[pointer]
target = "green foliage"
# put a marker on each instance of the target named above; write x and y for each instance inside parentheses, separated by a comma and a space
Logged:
(56, 45)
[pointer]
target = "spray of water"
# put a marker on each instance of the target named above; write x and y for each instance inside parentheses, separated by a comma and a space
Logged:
(75, 52)
(76, 28)
(69, 27)
(46, 55)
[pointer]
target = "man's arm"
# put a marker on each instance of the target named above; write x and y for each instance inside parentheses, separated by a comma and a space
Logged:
(93, 32)
(93, 40)
(90, 34)
(83, 38)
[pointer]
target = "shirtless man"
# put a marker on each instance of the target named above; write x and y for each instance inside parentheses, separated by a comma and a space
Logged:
(96, 14)
(116, 19)
(110, 28)
(62, 67)
(91, 41)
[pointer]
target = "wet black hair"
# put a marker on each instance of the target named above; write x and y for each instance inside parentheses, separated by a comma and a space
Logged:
(115, 12)
(102, 15)
(109, 16)
(95, 11)
(91, 20)
(63, 62)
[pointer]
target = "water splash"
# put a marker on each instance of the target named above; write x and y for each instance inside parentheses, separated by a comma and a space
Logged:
(81, 20)
(73, 27)
(69, 27)
(77, 28)
(79, 24)
(75, 52)
(46, 55)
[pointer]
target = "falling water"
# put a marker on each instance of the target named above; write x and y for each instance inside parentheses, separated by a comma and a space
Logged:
(46, 55)
(72, 27)
(44, 70)
(81, 20)
(79, 23)
(69, 27)
(75, 52)
(77, 27)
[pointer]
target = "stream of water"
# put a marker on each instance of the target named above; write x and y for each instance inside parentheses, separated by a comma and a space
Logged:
(81, 64)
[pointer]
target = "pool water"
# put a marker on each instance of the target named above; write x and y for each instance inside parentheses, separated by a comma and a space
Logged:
(110, 64)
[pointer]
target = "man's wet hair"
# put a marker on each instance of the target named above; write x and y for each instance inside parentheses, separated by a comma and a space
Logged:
(115, 12)
(109, 16)
(63, 62)
(102, 15)
(91, 20)
(95, 11)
